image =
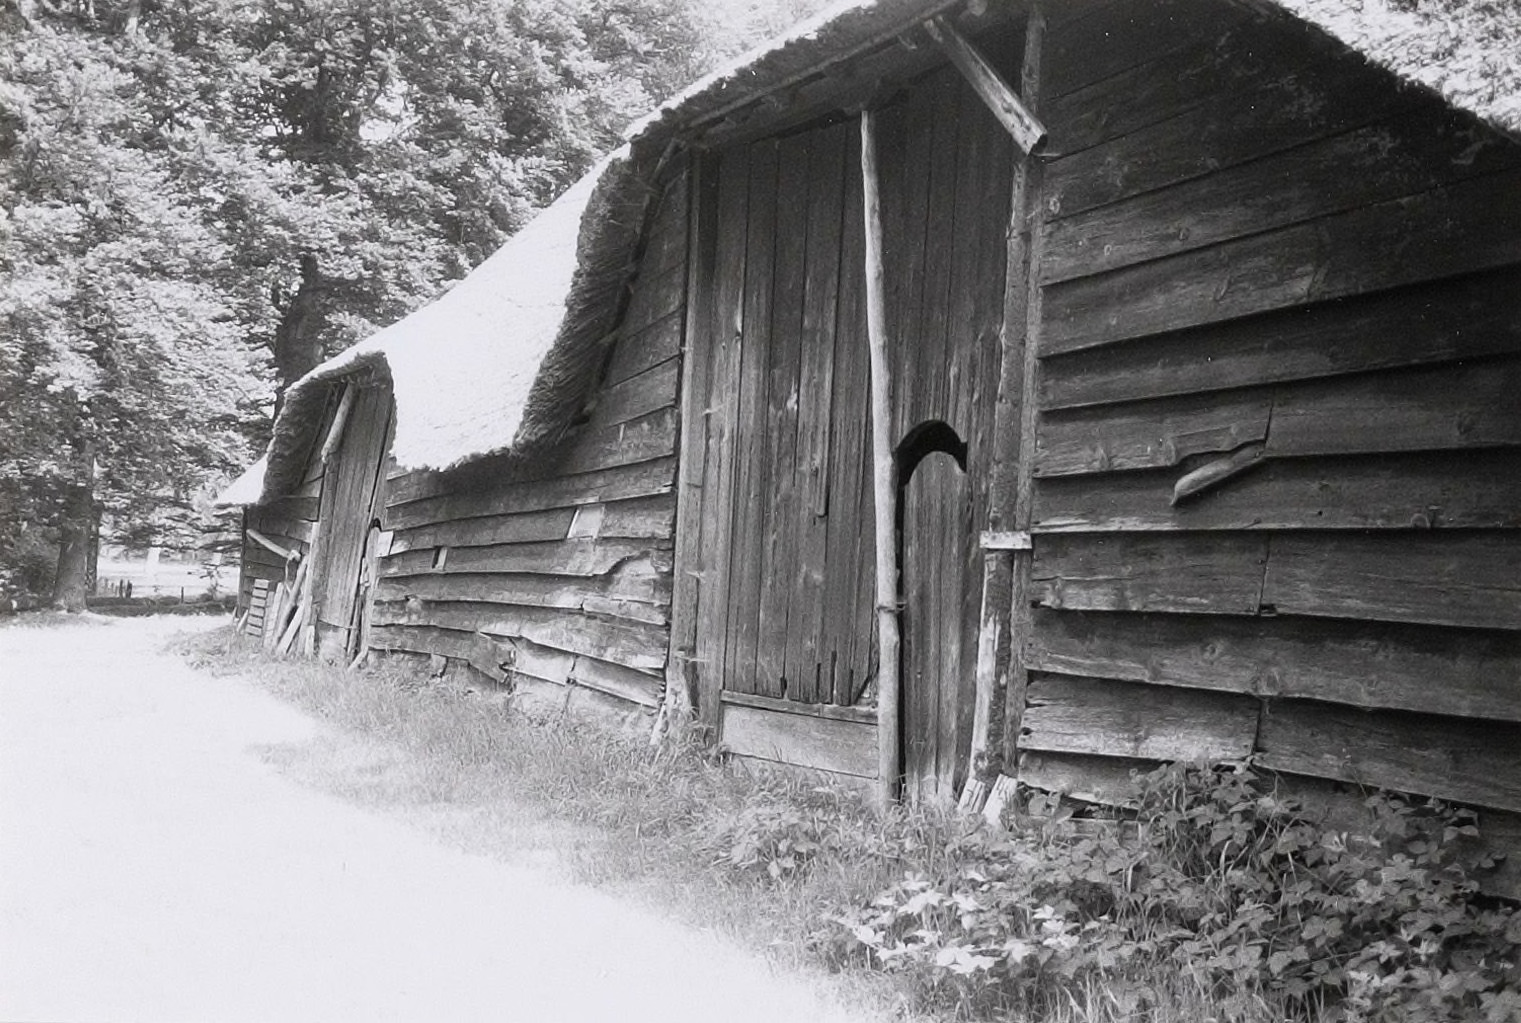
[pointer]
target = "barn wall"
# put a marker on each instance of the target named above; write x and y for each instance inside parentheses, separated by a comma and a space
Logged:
(556, 576)
(1261, 255)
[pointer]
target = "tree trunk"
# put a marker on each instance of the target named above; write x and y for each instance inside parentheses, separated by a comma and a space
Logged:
(296, 349)
(75, 533)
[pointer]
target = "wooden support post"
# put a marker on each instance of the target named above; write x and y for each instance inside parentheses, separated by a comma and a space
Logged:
(1025, 295)
(269, 545)
(884, 481)
(1005, 618)
(1017, 119)
(335, 431)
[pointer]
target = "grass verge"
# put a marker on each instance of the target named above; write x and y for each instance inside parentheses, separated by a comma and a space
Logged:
(1220, 905)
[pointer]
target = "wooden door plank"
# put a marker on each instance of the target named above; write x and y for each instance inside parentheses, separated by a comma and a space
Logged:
(747, 564)
(1470, 226)
(779, 503)
(1072, 714)
(726, 282)
(807, 648)
(1461, 673)
(1205, 573)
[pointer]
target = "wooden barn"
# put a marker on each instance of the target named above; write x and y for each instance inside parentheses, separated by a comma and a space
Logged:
(954, 391)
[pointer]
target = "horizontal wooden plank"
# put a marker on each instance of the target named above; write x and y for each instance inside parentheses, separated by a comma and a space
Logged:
(639, 395)
(1464, 579)
(1441, 321)
(1423, 409)
(1451, 406)
(567, 491)
(522, 527)
(1143, 435)
(1410, 153)
(1093, 779)
(632, 644)
(581, 557)
(784, 706)
(1343, 809)
(1112, 38)
(1470, 226)
(1330, 805)
(655, 296)
(824, 744)
(637, 583)
(1462, 490)
(1236, 60)
(1069, 714)
(649, 437)
(1219, 573)
(1456, 672)
(1467, 761)
(641, 350)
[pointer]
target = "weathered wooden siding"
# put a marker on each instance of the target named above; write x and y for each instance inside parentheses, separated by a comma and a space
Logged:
(556, 575)
(1255, 244)
(777, 511)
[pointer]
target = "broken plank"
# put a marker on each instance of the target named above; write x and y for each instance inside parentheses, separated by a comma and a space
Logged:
(1451, 490)
(1462, 673)
(1144, 435)
(633, 581)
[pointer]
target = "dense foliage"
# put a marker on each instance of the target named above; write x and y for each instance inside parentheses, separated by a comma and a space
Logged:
(1224, 888)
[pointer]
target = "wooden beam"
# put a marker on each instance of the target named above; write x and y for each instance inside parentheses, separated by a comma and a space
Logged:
(335, 431)
(268, 544)
(1018, 120)
(884, 482)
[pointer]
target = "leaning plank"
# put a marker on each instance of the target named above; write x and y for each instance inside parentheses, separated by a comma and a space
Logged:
(1070, 714)
(634, 581)
(632, 644)
(1443, 321)
(1470, 226)
(842, 747)
(1449, 490)
(550, 524)
(1212, 573)
(582, 557)
(638, 440)
(1471, 580)
(639, 395)
(561, 491)
(1467, 761)
(1462, 673)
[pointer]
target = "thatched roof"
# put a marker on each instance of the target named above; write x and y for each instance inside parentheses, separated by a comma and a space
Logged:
(504, 361)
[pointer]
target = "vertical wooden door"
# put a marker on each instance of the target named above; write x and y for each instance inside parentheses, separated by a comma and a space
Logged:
(349, 497)
(937, 659)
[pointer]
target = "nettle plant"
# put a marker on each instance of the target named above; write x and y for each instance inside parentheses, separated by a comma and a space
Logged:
(1219, 885)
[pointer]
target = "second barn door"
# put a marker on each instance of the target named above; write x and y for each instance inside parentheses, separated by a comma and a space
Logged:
(938, 654)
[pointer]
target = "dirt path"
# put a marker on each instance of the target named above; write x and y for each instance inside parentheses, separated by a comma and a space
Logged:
(153, 866)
